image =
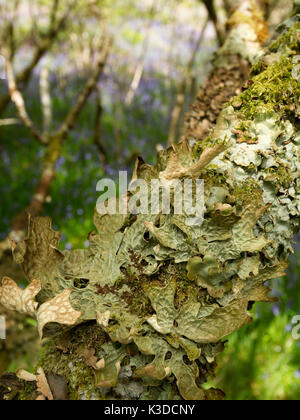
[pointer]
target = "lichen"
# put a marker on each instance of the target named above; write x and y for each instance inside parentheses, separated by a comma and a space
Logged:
(255, 20)
(165, 293)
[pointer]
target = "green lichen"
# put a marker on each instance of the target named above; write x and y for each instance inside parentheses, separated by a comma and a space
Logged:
(159, 294)
(255, 20)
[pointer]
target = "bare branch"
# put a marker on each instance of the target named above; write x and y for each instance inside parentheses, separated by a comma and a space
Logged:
(209, 4)
(9, 121)
(45, 96)
(24, 77)
(98, 129)
(138, 74)
(53, 14)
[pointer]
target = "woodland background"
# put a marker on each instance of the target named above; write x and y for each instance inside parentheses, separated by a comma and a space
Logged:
(161, 53)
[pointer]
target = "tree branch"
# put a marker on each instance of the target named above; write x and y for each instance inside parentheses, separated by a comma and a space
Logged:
(87, 90)
(18, 100)
(98, 129)
(23, 78)
(209, 4)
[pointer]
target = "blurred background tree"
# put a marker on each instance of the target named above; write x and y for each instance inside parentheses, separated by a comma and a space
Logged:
(114, 101)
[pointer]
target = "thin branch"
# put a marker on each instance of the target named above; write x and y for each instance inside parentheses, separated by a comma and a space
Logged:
(45, 96)
(53, 14)
(98, 129)
(138, 74)
(209, 4)
(9, 121)
(86, 91)
(18, 100)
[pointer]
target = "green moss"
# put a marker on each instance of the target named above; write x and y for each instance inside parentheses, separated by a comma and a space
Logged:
(213, 177)
(273, 87)
(28, 393)
(209, 141)
(257, 68)
(247, 192)
(80, 377)
(135, 299)
(274, 90)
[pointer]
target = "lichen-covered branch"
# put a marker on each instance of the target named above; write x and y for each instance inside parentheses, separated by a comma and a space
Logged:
(18, 100)
(152, 297)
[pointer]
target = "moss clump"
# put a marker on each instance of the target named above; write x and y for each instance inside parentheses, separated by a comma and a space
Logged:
(280, 176)
(213, 177)
(80, 377)
(28, 393)
(209, 141)
(289, 40)
(274, 90)
(257, 68)
(273, 87)
(247, 192)
(186, 290)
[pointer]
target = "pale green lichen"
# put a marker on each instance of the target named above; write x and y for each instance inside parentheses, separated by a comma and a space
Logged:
(165, 293)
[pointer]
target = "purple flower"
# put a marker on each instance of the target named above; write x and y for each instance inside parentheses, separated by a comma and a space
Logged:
(288, 328)
(275, 310)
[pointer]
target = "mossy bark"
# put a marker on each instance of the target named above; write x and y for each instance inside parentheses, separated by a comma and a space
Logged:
(192, 285)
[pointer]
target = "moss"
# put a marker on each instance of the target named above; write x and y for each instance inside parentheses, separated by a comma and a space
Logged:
(28, 393)
(247, 192)
(257, 68)
(213, 177)
(274, 90)
(136, 300)
(290, 39)
(80, 377)
(186, 290)
(54, 150)
(209, 141)
(280, 176)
